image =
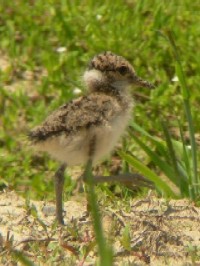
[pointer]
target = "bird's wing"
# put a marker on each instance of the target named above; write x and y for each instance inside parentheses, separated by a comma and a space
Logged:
(80, 113)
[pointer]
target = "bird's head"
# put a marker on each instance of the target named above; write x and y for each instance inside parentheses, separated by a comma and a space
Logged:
(112, 71)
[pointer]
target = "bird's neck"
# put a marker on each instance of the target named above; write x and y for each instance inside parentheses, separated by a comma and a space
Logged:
(97, 83)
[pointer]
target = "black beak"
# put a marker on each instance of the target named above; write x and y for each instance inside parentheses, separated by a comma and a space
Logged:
(142, 83)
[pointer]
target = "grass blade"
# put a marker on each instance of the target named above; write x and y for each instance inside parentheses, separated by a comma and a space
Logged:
(158, 142)
(161, 185)
(186, 102)
(20, 257)
(187, 163)
(164, 166)
(174, 161)
(105, 252)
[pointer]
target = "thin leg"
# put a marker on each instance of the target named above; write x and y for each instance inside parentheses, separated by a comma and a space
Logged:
(133, 179)
(59, 183)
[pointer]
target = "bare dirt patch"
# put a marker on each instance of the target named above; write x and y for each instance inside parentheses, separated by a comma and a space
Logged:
(154, 232)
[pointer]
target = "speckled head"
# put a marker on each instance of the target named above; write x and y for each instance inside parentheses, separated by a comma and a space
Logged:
(113, 70)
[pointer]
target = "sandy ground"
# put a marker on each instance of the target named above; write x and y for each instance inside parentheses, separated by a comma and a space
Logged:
(154, 232)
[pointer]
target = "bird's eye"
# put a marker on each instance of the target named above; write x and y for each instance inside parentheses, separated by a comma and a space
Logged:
(122, 70)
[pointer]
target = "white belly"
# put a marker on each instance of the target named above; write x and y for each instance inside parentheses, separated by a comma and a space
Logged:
(74, 149)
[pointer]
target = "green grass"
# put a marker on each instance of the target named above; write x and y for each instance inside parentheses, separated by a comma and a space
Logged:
(105, 251)
(176, 159)
(35, 78)
(31, 34)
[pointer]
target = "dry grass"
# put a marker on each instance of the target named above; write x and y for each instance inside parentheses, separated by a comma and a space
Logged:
(150, 231)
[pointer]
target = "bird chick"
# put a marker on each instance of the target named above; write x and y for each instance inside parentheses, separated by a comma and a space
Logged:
(87, 128)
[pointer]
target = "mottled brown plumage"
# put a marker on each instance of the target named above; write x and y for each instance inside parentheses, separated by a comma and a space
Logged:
(85, 112)
(87, 128)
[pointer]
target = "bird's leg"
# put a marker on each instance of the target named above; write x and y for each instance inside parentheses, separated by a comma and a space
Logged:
(130, 179)
(59, 183)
